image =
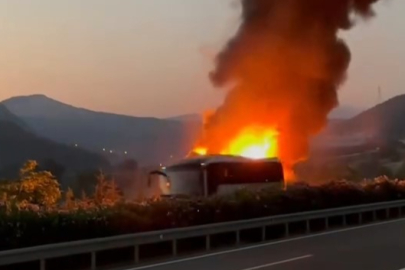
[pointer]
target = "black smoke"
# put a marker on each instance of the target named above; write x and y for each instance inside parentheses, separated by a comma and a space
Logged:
(283, 69)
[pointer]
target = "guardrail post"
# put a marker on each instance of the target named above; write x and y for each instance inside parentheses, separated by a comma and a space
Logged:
(326, 223)
(387, 213)
(263, 233)
(237, 237)
(42, 264)
(208, 242)
(400, 211)
(360, 218)
(136, 254)
(93, 260)
(374, 215)
(307, 226)
(344, 221)
(174, 247)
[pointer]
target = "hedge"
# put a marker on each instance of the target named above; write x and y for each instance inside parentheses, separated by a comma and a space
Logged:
(23, 228)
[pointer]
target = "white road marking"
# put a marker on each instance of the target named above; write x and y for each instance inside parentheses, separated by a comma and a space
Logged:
(280, 262)
(265, 245)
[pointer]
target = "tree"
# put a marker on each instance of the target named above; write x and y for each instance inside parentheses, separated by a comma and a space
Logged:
(33, 187)
(106, 192)
(70, 199)
(37, 187)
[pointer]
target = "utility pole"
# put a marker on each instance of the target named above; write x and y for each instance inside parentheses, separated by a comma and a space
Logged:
(379, 97)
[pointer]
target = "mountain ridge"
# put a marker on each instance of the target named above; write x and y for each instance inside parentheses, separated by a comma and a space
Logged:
(7, 116)
(146, 139)
(381, 121)
(31, 105)
(152, 140)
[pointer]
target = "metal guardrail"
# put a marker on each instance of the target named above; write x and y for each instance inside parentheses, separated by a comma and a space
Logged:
(44, 253)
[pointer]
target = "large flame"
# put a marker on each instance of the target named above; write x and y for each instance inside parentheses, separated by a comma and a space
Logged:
(202, 151)
(252, 142)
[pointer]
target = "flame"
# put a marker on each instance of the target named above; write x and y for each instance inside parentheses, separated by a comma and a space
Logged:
(202, 151)
(252, 142)
(255, 143)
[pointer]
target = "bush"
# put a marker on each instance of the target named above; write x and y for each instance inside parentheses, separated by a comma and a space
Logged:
(29, 227)
(39, 188)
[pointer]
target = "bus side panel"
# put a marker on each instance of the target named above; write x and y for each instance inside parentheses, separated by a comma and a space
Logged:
(256, 175)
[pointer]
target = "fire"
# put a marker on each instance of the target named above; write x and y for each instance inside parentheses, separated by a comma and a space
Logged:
(253, 142)
(202, 151)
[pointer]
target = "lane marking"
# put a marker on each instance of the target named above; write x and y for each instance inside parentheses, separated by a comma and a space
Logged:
(280, 262)
(266, 244)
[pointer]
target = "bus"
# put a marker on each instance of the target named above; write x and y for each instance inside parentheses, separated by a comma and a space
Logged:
(211, 175)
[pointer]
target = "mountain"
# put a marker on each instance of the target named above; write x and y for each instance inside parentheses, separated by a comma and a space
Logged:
(18, 144)
(379, 127)
(192, 117)
(7, 116)
(148, 140)
(384, 121)
(344, 112)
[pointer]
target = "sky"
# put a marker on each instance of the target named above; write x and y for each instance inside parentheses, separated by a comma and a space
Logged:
(152, 57)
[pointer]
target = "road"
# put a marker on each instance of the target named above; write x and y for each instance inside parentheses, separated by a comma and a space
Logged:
(371, 247)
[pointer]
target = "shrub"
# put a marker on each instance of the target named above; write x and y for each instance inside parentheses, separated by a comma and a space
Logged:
(28, 227)
(32, 188)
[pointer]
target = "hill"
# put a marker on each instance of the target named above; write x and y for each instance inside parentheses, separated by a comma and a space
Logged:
(197, 118)
(383, 122)
(344, 112)
(148, 140)
(368, 144)
(7, 116)
(17, 145)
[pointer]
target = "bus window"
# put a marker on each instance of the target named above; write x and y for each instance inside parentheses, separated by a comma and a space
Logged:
(185, 182)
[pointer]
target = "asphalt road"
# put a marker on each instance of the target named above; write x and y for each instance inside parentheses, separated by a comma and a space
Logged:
(372, 247)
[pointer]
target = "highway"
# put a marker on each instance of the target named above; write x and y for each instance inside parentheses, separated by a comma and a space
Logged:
(379, 246)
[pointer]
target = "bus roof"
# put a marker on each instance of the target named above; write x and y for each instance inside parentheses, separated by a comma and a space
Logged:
(206, 160)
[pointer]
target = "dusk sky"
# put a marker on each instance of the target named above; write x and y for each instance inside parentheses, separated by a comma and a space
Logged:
(152, 57)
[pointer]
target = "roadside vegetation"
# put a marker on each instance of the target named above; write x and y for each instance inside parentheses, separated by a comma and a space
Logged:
(34, 210)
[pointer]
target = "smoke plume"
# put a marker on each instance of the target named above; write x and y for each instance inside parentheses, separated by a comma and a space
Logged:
(283, 69)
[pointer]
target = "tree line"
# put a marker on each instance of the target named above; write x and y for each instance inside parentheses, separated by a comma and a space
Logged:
(36, 188)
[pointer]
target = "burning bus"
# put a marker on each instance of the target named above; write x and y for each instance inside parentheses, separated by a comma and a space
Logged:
(210, 175)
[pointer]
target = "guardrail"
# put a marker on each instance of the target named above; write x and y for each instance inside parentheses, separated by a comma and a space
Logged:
(92, 253)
